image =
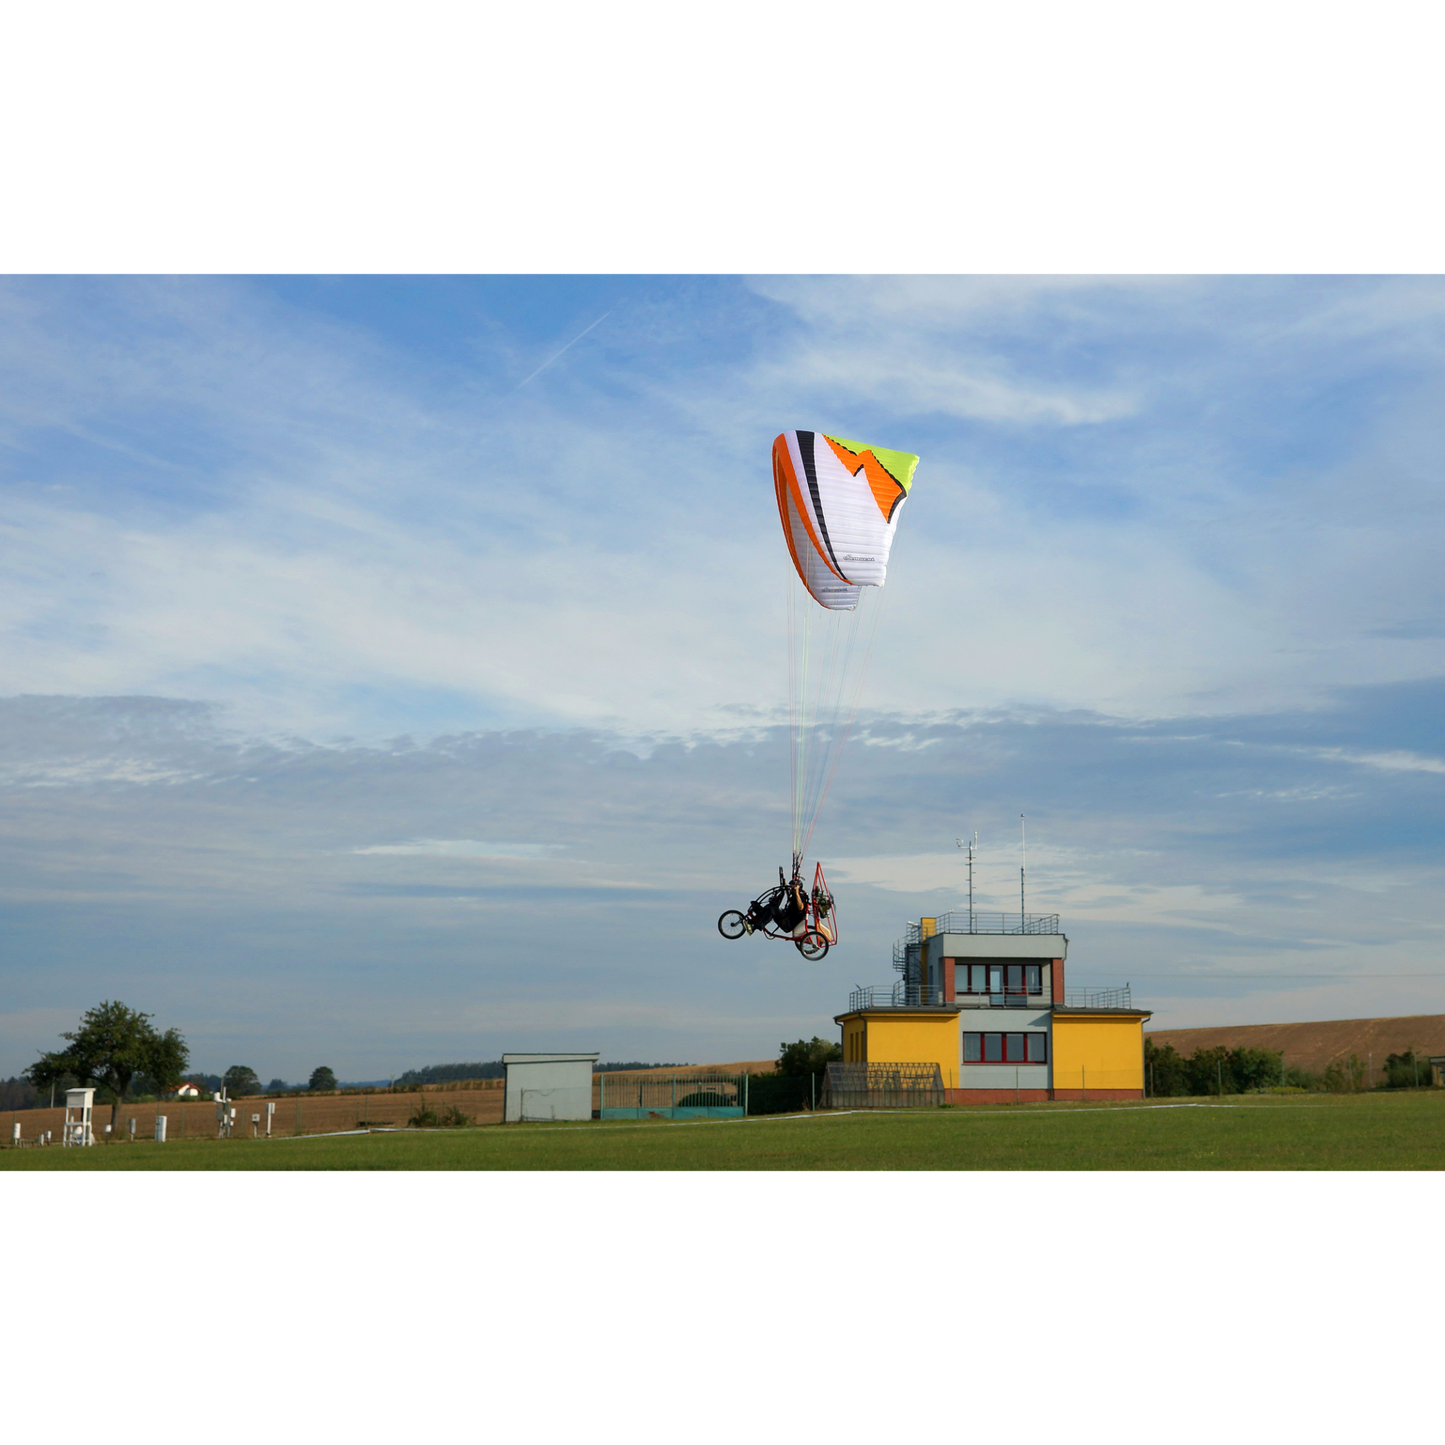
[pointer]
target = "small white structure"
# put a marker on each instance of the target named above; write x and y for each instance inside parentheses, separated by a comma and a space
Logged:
(160, 1128)
(548, 1086)
(79, 1104)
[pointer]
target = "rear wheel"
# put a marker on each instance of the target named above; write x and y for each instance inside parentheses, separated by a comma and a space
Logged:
(813, 945)
(732, 924)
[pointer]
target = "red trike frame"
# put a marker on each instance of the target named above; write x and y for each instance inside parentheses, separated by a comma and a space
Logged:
(825, 924)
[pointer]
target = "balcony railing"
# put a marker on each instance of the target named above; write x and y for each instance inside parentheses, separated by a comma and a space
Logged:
(898, 995)
(912, 995)
(959, 921)
(1098, 998)
(1008, 998)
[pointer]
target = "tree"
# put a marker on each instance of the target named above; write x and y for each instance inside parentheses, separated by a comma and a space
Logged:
(322, 1078)
(112, 1045)
(1166, 1070)
(168, 1059)
(807, 1057)
(1407, 1070)
(1256, 1069)
(278, 1086)
(239, 1081)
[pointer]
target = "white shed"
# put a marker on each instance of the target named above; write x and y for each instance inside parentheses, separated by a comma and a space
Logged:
(77, 1127)
(548, 1086)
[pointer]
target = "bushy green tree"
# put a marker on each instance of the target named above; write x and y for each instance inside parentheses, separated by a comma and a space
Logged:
(1256, 1069)
(322, 1078)
(807, 1056)
(240, 1082)
(1166, 1070)
(1405, 1071)
(168, 1059)
(111, 1047)
(1209, 1071)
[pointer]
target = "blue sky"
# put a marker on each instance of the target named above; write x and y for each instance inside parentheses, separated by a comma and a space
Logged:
(392, 668)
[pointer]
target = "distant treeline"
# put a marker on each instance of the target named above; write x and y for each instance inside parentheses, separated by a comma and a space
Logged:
(21, 1094)
(449, 1074)
(1219, 1070)
(452, 1073)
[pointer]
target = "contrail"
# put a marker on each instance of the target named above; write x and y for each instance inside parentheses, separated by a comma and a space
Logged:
(551, 359)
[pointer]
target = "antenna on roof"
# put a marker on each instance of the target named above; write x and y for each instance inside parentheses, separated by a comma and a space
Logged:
(1023, 861)
(972, 847)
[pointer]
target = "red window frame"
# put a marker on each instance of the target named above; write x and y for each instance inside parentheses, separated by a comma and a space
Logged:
(1030, 1043)
(1030, 979)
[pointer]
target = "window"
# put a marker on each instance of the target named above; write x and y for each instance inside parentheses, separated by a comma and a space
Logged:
(1000, 978)
(1002, 1048)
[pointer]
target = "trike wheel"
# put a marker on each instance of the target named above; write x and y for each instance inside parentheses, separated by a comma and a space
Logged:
(732, 924)
(813, 945)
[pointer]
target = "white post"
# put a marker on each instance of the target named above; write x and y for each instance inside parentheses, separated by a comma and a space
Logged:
(130, 1125)
(270, 1110)
(160, 1128)
(15, 1133)
(255, 1125)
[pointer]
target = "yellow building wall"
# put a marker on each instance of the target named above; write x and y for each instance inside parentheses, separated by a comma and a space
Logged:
(1097, 1051)
(855, 1042)
(915, 1039)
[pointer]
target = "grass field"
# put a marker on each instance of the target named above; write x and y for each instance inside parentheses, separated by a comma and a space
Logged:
(1368, 1131)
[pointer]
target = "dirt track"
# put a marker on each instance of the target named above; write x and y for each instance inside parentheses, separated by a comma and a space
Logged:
(1314, 1046)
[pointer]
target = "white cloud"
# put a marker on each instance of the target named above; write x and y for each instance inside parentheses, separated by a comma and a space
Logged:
(463, 848)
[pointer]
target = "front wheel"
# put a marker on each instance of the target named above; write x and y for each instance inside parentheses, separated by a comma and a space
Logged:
(732, 924)
(813, 945)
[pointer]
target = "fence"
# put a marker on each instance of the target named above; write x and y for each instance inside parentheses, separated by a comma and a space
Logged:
(672, 1096)
(1098, 998)
(960, 921)
(898, 995)
(882, 1086)
(1083, 1083)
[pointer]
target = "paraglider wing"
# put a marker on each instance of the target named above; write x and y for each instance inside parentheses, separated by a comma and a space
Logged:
(839, 502)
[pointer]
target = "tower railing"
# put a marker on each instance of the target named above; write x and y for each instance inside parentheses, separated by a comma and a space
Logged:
(1098, 998)
(958, 920)
(897, 995)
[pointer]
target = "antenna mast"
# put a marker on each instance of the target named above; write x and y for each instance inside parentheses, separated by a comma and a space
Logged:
(1023, 862)
(972, 846)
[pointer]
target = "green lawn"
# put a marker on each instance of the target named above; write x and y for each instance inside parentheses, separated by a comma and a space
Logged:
(1370, 1131)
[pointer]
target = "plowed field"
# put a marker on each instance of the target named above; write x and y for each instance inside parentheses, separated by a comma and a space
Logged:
(1315, 1046)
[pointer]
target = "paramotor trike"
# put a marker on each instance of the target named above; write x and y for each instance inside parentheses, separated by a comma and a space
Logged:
(791, 913)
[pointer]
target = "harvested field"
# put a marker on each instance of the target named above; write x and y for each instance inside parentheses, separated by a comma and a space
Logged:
(1314, 1046)
(479, 1099)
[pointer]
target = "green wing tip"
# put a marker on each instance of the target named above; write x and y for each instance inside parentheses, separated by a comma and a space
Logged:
(899, 465)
